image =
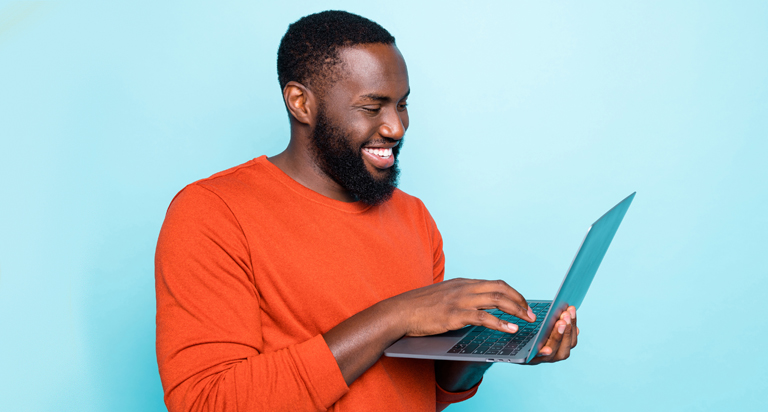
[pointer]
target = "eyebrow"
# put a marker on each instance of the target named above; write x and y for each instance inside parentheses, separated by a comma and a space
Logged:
(382, 98)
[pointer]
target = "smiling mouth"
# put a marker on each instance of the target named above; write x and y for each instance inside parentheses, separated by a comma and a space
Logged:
(379, 157)
(383, 153)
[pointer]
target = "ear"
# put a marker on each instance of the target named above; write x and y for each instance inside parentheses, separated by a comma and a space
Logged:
(300, 101)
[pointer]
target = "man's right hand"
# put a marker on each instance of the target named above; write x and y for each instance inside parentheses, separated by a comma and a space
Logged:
(358, 342)
(456, 303)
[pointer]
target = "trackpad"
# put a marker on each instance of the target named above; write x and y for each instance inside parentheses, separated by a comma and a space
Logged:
(455, 333)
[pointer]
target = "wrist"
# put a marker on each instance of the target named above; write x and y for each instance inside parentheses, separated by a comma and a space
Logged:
(394, 313)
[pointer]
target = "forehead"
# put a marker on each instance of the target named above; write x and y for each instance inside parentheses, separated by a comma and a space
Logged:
(371, 69)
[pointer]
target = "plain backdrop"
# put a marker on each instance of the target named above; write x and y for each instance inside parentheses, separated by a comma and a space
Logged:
(528, 121)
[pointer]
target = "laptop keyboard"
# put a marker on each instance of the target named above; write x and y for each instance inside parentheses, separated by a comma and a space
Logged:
(483, 341)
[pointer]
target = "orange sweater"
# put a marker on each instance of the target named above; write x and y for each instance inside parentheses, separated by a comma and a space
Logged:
(252, 268)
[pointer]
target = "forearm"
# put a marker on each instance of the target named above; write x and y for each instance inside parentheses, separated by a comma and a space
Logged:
(358, 342)
(455, 376)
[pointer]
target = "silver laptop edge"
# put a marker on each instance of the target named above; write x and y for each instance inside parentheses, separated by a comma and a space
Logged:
(571, 292)
(582, 270)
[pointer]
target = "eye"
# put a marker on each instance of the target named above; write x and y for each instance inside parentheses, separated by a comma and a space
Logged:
(372, 109)
(402, 106)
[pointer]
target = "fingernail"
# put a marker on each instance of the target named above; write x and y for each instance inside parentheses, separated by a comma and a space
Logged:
(530, 314)
(567, 318)
(512, 327)
(572, 311)
(561, 329)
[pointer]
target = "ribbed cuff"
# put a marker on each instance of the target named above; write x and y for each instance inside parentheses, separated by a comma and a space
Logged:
(321, 371)
(446, 397)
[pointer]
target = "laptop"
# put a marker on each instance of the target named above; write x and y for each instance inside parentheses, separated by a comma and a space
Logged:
(480, 344)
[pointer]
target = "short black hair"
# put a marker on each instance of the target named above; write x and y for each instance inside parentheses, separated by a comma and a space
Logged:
(309, 49)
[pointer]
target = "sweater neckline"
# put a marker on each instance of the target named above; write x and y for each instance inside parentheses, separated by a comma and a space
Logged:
(301, 190)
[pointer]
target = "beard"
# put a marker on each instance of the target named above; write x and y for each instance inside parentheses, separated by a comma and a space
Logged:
(334, 153)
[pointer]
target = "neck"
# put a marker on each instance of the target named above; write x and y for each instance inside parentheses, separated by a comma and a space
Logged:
(297, 162)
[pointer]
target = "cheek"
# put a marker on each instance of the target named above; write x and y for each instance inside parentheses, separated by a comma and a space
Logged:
(356, 132)
(404, 119)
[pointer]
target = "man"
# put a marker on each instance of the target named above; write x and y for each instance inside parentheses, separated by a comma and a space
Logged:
(281, 281)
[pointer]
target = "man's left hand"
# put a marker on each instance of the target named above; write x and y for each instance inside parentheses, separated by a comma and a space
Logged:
(563, 338)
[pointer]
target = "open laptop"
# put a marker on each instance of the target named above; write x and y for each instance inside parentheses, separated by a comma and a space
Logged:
(479, 344)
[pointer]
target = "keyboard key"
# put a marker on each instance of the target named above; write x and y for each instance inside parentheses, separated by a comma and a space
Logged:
(479, 351)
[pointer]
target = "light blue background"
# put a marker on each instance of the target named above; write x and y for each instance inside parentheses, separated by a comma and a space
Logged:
(528, 121)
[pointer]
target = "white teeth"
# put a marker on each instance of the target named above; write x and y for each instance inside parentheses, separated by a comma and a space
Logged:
(379, 152)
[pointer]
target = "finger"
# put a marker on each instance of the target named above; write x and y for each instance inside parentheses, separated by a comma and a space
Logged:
(483, 318)
(462, 281)
(574, 336)
(547, 353)
(501, 286)
(564, 351)
(501, 301)
(569, 317)
(510, 292)
(556, 337)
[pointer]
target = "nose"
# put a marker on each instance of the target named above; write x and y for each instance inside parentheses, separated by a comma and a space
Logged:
(394, 125)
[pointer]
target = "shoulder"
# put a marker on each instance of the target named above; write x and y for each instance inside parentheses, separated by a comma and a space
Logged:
(413, 207)
(402, 200)
(418, 215)
(228, 186)
(211, 207)
(235, 178)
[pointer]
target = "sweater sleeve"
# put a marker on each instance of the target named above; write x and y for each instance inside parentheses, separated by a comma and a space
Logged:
(209, 339)
(445, 398)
